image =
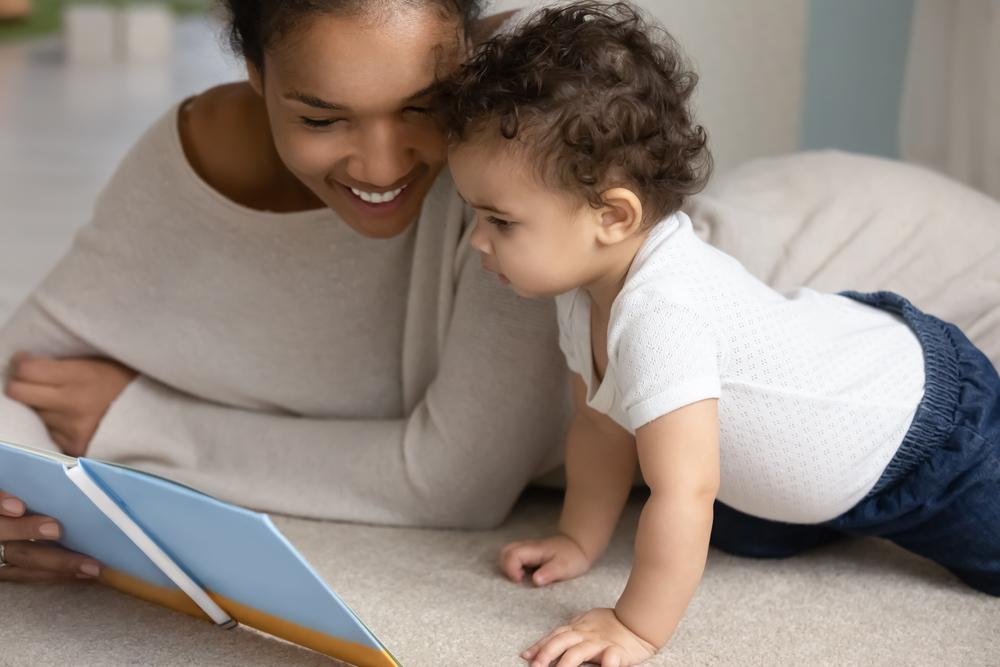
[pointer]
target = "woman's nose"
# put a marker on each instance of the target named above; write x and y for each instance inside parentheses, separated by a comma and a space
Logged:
(385, 158)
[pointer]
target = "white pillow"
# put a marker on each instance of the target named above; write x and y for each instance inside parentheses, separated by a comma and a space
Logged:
(834, 221)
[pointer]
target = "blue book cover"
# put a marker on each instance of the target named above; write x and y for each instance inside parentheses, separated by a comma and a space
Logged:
(237, 559)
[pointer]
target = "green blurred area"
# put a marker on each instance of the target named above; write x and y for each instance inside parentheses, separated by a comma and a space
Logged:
(46, 15)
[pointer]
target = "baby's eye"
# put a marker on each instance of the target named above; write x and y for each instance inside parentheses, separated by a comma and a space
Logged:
(500, 223)
(318, 122)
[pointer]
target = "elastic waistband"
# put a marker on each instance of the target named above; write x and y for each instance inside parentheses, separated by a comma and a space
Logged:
(934, 420)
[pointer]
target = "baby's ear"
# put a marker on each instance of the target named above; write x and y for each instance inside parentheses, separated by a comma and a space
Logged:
(620, 215)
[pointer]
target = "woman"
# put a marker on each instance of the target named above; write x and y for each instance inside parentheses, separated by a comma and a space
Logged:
(280, 268)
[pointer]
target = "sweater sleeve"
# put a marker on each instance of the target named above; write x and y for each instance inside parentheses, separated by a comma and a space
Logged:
(490, 418)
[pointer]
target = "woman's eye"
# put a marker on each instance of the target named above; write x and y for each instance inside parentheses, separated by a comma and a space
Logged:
(318, 122)
(500, 223)
(417, 109)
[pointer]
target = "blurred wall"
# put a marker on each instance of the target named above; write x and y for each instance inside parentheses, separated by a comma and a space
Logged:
(855, 65)
(782, 75)
(750, 59)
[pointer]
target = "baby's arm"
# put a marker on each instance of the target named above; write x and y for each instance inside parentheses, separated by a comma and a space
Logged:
(600, 470)
(679, 457)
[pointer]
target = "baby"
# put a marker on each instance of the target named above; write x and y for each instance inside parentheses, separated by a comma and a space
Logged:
(762, 423)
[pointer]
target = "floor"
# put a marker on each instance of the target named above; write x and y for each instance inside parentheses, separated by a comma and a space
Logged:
(435, 599)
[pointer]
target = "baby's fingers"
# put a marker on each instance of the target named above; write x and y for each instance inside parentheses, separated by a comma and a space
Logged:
(555, 647)
(530, 652)
(552, 571)
(583, 652)
(613, 656)
(518, 556)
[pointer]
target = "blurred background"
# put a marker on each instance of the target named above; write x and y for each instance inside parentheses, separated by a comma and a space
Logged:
(916, 80)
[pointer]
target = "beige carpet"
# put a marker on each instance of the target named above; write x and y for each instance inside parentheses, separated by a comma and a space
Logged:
(435, 598)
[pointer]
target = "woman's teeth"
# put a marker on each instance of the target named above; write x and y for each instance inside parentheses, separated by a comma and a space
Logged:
(376, 197)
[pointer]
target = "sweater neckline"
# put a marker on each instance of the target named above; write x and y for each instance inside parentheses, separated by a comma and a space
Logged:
(176, 147)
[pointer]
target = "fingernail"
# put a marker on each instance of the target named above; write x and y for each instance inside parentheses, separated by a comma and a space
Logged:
(12, 506)
(49, 529)
(91, 569)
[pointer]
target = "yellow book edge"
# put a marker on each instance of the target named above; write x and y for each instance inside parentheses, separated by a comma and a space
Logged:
(356, 654)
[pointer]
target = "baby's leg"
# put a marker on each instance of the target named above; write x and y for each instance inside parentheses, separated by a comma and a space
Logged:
(752, 537)
(947, 508)
(964, 534)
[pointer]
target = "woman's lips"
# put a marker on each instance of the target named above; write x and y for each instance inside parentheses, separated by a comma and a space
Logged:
(378, 208)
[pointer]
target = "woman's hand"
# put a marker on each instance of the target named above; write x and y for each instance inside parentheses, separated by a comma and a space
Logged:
(558, 558)
(597, 636)
(71, 396)
(26, 557)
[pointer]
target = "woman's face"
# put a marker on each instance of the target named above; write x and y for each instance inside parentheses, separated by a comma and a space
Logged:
(346, 99)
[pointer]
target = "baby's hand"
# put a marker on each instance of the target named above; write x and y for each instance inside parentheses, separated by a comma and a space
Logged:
(597, 636)
(558, 558)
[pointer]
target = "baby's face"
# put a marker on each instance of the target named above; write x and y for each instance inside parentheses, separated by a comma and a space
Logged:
(538, 240)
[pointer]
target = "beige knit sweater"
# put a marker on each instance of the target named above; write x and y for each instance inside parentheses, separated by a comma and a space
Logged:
(289, 364)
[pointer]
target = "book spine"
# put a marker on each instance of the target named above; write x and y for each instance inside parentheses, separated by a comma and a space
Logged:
(148, 546)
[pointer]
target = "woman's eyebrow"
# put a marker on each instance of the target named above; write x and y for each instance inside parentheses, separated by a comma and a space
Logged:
(423, 92)
(319, 103)
(312, 101)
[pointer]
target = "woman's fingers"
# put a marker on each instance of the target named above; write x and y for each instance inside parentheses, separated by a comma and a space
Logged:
(28, 528)
(21, 575)
(32, 556)
(34, 395)
(10, 505)
(42, 370)
(28, 561)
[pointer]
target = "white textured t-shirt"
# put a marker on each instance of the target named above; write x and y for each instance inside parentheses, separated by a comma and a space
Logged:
(816, 391)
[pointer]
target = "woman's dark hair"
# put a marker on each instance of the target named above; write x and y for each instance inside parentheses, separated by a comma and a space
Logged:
(255, 25)
(599, 97)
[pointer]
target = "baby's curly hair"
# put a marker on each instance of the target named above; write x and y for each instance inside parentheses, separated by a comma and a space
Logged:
(597, 94)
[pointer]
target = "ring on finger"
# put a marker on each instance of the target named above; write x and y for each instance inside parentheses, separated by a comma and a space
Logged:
(3, 554)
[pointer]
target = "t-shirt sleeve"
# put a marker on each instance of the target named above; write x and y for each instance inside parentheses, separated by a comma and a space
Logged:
(666, 357)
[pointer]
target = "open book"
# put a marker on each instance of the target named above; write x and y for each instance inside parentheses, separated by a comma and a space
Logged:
(174, 546)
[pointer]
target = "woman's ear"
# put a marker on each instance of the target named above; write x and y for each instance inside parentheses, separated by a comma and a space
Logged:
(620, 217)
(255, 77)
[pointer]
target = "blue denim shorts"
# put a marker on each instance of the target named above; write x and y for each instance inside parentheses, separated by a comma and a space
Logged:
(939, 496)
